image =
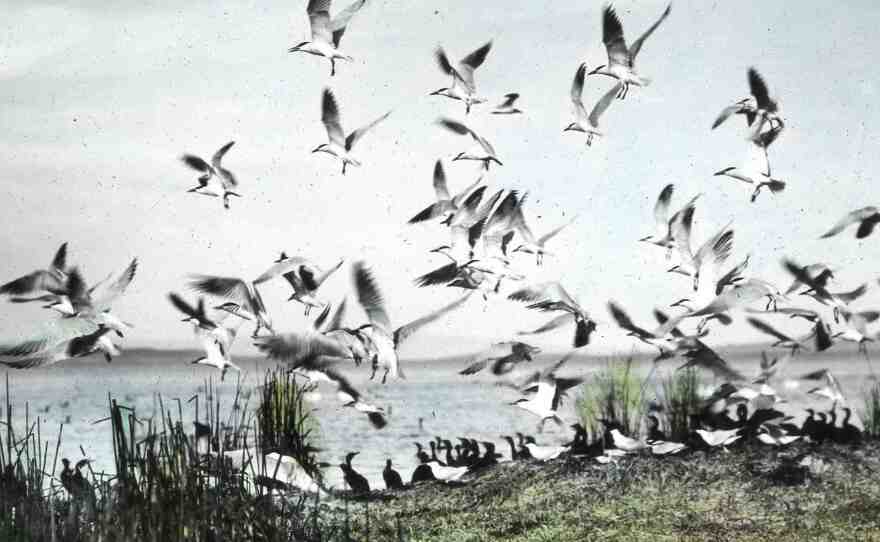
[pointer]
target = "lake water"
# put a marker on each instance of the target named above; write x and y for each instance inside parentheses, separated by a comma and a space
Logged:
(450, 405)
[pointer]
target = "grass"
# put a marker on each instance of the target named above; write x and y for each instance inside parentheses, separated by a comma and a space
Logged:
(679, 400)
(871, 413)
(615, 393)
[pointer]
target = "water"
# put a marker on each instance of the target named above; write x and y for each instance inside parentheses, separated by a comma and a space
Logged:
(449, 405)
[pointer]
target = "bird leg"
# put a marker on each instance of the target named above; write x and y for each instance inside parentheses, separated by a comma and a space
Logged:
(332, 67)
(385, 376)
(344, 164)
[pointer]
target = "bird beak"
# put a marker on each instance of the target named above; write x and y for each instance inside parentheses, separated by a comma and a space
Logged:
(194, 189)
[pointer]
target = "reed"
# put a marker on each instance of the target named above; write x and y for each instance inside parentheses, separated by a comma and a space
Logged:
(871, 412)
(613, 394)
(679, 400)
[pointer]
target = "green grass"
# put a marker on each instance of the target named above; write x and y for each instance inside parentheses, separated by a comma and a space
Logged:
(680, 399)
(615, 393)
(871, 412)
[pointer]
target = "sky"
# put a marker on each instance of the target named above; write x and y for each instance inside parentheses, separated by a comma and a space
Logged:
(100, 99)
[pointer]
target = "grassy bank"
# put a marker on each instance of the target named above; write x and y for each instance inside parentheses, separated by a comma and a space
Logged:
(754, 493)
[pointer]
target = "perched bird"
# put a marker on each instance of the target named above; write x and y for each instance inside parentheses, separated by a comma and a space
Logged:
(552, 297)
(340, 145)
(542, 453)
(53, 279)
(621, 59)
(506, 107)
(304, 276)
(588, 124)
(327, 32)
(355, 480)
(484, 151)
(463, 87)
(392, 477)
(866, 218)
(215, 181)
(383, 339)
(720, 437)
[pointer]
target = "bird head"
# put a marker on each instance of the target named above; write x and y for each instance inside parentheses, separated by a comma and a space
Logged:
(574, 127)
(323, 147)
(283, 256)
(194, 189)
(440, 92)
(297, 47)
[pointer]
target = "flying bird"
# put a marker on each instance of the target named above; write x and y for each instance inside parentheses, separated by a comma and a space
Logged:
(866, 217)
(549, 392)
(67, 338)
(327, 32)
(483, 152)
(758, 106)
(503, 356)
(243, 298)
(53, 279)
(552, 297)
(304, 276)
(215, 181)
(506, 107)
(463, 86)
(621, 59)
(445, 204)
(383, 338)
(340, 145)
(588, 123)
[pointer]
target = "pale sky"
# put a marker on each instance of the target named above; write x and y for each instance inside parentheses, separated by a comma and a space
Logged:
(100, 99)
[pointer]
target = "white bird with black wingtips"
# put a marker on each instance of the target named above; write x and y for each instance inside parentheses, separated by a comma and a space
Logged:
(483, 152)
(588, 124)
(215, 181)
(304, 276)
(621, 59)
(463, 86)
(327, 32)
(340, 145)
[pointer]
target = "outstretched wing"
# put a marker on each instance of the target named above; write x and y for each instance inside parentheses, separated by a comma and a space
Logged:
(637, 45)
(404, 332)
(330, 118)
(108, 294)
(370, 297)
(353, 137)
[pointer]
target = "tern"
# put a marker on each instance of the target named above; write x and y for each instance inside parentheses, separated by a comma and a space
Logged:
(817, 290)
(303, 276)
(383, 339)
(758, 105)
(52, 279)
(755, 171)
(244, 298)
(706, 263)
(588, 124)
(463, 87)
(506, 107)
(831, 390)
(856, 330)
(552, 297)
(69, 338)
(445, 204)
(549, 391)
(866, 217)
(667, 339)
(669, 232)
(531, 244)
(700, 355)
(327, 32)
(719, 438)
(216, 181)
(340, 145)
(819, 273)
(485, 153)
(543, 453)
(503, 356)
(621, 59)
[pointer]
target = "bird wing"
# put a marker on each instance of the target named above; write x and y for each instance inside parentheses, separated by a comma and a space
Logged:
(623, 320)
(404, 332)
(281, 268)
(36, 281)
(758, 88)
(370, 297)
(341, 20)
(470, 63)
(612, 37)
(536, 292)
(802, 274)
(680, 226)
(577, 91)
(299, 347)
(562, 386)
(461, 196)
(440, 188)
(475, 367)
(703, 356)
(555, 323)
(194, 312)
(319, 20)
(330, 118)
(441, 275)
(603, 104)
(195, 163)
(738, 296)
(764, 327)
(733, 276)
(218, 156)
(552, 233)
(852, 217)
(637, 45)
(353, 137)
(108, 294)
(726, 113)
(227, 287)
(54, 336)
(59, 262)
(509, 99)
(661, 210)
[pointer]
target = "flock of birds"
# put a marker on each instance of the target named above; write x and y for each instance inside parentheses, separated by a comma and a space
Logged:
(488, 230)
